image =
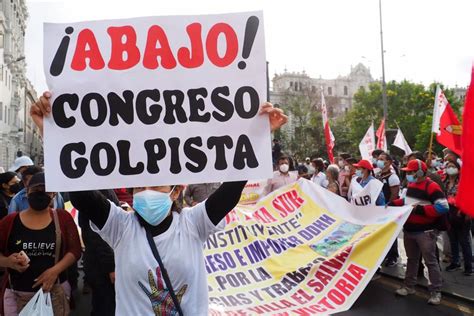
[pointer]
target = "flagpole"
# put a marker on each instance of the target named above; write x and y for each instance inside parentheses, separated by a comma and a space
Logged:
(430, 149)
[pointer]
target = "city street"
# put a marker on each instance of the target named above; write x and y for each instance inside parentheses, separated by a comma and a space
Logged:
(377, 299)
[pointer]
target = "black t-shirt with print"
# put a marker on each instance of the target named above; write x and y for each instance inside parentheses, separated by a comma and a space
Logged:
(39, 246)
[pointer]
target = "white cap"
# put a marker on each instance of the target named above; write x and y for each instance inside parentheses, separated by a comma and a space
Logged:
(2, 170)
(22, 161)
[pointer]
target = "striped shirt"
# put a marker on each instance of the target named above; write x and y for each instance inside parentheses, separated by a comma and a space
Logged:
(430, 192)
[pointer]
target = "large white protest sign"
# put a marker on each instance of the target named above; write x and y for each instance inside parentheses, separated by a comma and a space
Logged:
(156, 100)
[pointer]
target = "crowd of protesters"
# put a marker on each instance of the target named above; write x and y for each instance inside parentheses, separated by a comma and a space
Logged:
(40, 244)
(426, 178)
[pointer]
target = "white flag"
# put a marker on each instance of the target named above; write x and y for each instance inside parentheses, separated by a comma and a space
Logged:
(401, 143)
(440, 104)
(367, 144)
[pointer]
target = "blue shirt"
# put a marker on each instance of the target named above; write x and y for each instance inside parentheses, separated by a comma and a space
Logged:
(20, 202)
(380, 199)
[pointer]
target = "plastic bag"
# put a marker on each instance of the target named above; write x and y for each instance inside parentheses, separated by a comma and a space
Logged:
(39, 305)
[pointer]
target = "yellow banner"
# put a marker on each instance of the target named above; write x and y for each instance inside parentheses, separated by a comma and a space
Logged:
(301, 250)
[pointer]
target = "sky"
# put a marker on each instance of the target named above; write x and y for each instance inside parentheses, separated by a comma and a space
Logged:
(424, 41)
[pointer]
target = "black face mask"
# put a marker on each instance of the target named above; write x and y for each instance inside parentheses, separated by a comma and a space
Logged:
(39, 200)
(15, 188)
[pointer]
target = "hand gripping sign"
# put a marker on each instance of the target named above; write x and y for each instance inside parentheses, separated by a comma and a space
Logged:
(156, 100)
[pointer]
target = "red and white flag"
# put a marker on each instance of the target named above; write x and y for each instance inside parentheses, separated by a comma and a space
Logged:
(445, 123)
(330, 139)
(367, 144)
(381, 138)
(464, 199)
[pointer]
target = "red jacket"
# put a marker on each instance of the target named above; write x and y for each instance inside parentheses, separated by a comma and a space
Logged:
(69, 236)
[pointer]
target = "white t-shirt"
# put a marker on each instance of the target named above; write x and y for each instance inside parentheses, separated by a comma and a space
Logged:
(393, 180)
(320, 178)
(181, 250)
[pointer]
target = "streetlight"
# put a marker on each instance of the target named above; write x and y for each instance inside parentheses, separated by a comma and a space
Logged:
(384, 86)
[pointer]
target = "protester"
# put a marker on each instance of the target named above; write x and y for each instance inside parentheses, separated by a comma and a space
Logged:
(136, 238)
(20, 201)
(196, 193)
(20, 164)
(303, 172)
(460, 223)
(281, 177)
(332, 174)
(449, 155)
(349, 172)
(51, 243)
(9, 186)
(375, 155)
(391, 191)
(433, 163)
(99, 264)
(364, 174)
(319, 177)
(344, 172)
(420, 230)
(309, 166)
(434, 176)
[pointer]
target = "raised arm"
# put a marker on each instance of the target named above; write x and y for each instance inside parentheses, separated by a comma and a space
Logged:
(223, 200)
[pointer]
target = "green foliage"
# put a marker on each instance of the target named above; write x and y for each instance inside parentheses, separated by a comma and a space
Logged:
(410, 105)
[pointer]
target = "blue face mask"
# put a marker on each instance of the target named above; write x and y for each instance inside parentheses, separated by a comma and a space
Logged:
(152, 206)
(359, 173)
(411, 178)
(380, 164)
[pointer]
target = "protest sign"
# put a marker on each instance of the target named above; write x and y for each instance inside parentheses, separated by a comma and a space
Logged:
(362, 196)
(302, 250)
(156, 101)
(252, 192)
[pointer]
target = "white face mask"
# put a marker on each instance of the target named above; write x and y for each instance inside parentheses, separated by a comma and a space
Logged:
(341, 164)
(452, 171)
(347, 168)
(284, 168)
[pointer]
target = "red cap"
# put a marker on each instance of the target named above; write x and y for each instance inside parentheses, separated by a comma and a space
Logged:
(414, 165)
(364, 164)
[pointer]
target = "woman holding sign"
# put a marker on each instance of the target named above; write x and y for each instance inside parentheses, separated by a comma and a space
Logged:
(159, 252)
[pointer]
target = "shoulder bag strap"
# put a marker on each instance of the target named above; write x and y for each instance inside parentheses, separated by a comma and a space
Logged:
(57, 229)
(156, 254)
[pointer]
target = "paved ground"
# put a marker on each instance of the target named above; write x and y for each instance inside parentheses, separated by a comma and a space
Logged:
(455, 283)
(377, 299)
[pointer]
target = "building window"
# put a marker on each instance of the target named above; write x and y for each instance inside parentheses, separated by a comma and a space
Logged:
(1, 111)
(2, 40)
(346, 91)
(313, 89)
(291, 83)
(329, 90)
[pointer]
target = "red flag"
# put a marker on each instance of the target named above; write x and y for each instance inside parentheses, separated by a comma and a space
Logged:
(327, 130)
(464, 198)
(381, 140)
(450, 131)
(445, 123)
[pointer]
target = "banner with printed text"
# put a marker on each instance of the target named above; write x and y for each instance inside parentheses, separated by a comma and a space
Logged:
(300, 251)
(155, 100)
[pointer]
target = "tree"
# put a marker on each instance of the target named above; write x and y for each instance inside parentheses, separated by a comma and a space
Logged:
(410, 107)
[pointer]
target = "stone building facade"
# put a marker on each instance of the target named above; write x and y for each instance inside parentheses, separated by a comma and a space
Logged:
(338, 92)
(17, 134)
